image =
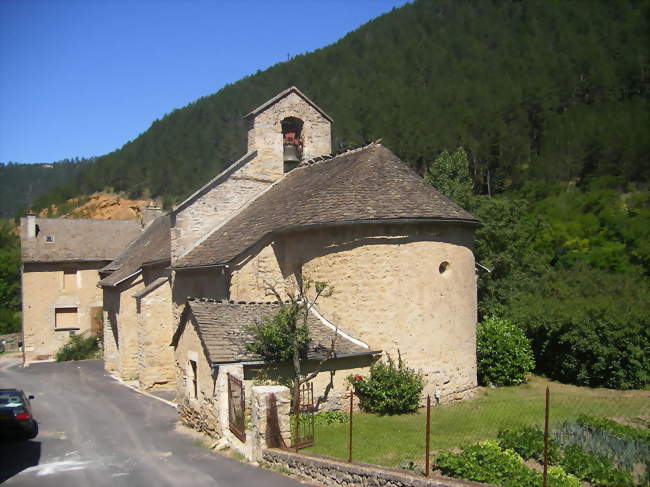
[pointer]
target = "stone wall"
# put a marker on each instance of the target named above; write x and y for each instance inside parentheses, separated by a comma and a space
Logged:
(200, 412)
(265, 133)
(262, 434)
(329, 471)
(331, 387)
(155, 330)
(389, 290)
(212, 209)
(111, 298)
(11, 341)
(43, 291)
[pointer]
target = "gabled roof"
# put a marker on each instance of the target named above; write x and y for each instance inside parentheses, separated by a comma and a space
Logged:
(367, 185)
(152, 246)
(221, 327)
(76, 240)
(281, 95)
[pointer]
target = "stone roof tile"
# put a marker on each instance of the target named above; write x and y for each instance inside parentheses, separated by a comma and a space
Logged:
(153, 245)
(222, 329)
(369, 184)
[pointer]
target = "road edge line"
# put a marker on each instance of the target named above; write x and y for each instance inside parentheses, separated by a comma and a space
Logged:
(144, 393)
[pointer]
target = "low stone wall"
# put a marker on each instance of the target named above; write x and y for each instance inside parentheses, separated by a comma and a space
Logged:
(198, 417)
(11, 341)
(329, 471)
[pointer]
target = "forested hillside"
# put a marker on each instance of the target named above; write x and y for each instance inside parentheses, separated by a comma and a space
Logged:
(535, 89)
(22, 184)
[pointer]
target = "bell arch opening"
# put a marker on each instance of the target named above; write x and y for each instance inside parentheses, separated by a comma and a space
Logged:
(292, 142)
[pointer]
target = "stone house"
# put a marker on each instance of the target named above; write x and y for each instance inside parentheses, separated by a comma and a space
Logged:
(398, 254)
(138, 323)
(61, 259)
(212, 337)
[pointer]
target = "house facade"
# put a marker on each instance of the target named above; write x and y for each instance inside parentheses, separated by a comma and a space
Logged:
(61, 259)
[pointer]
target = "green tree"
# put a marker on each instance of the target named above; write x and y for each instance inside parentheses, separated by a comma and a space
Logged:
(285, 335)
(449, 174)
(9, 278)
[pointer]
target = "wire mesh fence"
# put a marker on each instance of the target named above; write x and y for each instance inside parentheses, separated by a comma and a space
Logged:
(595, 436)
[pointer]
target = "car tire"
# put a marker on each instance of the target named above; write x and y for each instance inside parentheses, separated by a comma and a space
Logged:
(34, 432)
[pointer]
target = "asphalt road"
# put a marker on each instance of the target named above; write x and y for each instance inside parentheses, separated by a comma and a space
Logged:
(94, 431)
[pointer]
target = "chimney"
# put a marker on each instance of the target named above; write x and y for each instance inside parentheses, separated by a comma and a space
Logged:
(31, 225)
(150, 213)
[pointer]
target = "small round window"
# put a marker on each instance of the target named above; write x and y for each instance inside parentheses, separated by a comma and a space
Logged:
(443, 267)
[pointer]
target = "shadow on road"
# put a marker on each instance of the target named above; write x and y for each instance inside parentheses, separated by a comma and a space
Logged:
(16, 456)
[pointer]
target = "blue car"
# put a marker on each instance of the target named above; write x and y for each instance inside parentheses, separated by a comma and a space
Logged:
(16, 418)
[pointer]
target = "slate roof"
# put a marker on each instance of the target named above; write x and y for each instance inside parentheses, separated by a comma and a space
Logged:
(369, 184)
(153, 245)
(77, 239)
(222, 329)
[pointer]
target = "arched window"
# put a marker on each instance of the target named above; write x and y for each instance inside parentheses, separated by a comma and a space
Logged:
(292, 142)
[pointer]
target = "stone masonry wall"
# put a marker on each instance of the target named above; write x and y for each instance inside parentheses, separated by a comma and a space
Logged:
(111, 304)
(265, 133)
(155, 330)
(202, 412)
(121, 319)
(212, 210)
(329, 471)
(388, 291)
(43, 291)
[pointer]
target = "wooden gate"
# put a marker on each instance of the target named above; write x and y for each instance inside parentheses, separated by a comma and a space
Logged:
(304, 417)
(236, 407)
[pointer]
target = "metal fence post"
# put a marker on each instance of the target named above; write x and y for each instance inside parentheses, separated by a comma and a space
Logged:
(428, 431)
(350, 434)
(297, 437)
(544, 480)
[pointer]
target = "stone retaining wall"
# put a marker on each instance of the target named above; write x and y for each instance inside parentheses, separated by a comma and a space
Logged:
(329, 471)
(11, 341)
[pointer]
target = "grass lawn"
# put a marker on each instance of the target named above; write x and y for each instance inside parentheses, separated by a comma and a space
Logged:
(389, 440)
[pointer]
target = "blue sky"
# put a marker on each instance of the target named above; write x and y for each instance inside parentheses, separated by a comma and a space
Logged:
(81, 78)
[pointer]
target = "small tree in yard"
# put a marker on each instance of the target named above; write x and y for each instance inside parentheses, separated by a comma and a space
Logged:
(284, 336)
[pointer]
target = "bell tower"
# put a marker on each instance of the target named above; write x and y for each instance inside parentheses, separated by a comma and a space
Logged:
(286, 130)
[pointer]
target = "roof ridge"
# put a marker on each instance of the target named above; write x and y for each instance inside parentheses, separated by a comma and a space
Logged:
(88, 219)
(328, 157)
(226, 301)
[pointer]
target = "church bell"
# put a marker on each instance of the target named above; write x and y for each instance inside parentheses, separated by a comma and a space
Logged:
(291, 153)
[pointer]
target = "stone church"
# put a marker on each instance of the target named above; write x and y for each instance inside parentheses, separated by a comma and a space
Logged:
(398, 254)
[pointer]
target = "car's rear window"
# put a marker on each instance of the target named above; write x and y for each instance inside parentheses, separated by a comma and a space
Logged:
(10, 399)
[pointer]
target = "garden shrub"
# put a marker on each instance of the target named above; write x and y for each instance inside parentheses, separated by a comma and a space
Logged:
(528, 442)
(503, 353)
(596, 469)
(78, 348)
(390, 388)
(487, 462)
